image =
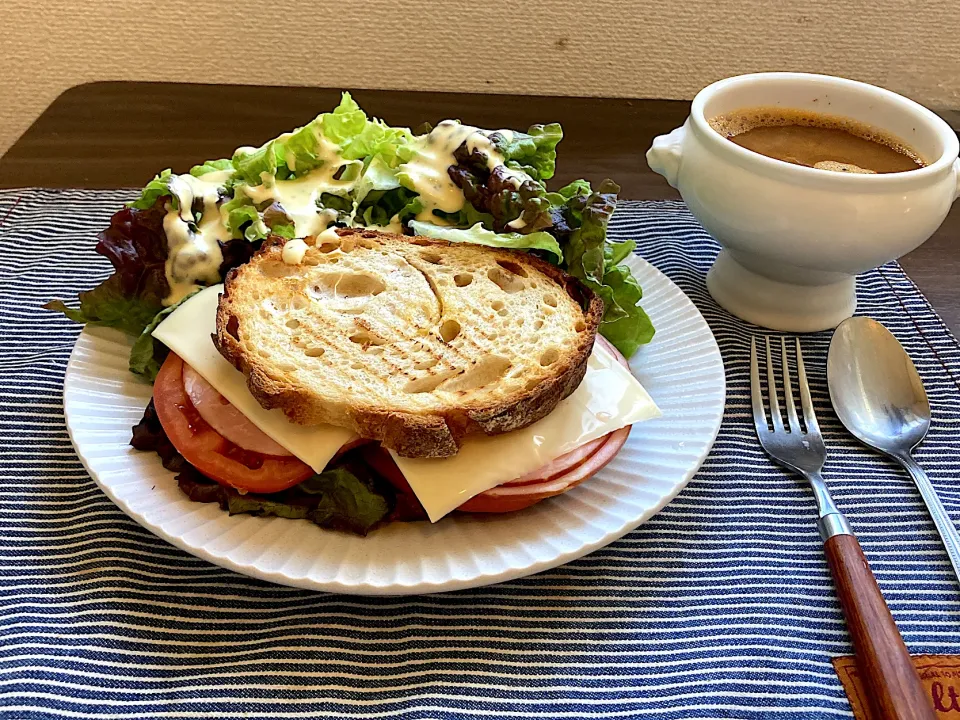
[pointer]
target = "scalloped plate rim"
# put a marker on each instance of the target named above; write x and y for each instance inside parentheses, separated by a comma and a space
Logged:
(423, 585)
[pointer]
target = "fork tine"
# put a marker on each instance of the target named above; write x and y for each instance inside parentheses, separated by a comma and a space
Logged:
(809, 416)
(756, 393)
(772, 392)
(788, 390)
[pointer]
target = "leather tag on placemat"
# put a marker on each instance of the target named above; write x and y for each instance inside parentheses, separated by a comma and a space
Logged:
(940, 675)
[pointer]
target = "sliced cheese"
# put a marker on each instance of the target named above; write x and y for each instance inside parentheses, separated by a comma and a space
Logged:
(187, 332)
(608, 399)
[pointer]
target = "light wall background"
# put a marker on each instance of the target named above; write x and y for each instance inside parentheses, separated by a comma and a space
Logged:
(624, 48)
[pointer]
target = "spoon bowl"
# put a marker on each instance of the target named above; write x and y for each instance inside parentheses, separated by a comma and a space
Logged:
(875, 388)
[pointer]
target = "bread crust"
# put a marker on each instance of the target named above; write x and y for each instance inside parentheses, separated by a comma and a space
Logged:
(415, 434)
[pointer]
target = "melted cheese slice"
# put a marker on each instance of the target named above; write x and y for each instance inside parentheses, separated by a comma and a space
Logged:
(187, 332)
(608, 399)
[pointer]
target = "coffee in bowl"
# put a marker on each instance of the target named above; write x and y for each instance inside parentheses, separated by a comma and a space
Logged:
(817, 140)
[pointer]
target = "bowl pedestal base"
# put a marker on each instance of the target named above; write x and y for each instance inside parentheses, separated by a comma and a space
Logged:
(780, 305)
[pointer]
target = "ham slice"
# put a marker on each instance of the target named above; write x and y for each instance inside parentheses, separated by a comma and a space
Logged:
(507, 498)
(225, 418)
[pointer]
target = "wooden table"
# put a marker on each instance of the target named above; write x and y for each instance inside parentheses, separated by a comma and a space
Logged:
(119, 134)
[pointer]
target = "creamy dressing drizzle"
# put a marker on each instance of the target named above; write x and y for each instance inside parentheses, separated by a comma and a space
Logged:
(299, 196)
(194, 257)
(433, 155)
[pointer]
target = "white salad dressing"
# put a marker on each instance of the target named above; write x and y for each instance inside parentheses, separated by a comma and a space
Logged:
(433, 155)
(299, 197)
(193, 255)
(293, 251)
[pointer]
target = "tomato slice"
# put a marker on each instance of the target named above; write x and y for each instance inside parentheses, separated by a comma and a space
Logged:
(210, 452)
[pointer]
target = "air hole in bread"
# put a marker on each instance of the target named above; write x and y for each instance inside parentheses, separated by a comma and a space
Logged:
(430, 382)
(497, 305)
(420, 241)
(580, 326)
(365, 337)
(293, 324)
(348, 244)
(550, 300)
(449, 330)
(349, 285)
(298, 302)
(508, 282)
(314, 351)
(328, 247)
(463, 279)
(233, 327)
(538, 324)
(502, 311)
(277, 269)
(356, 365)
(549, 356)
(374, 350)
(489, 370)
(425, 364)
(512, 267)
(312, 261)
(532, 383)
(431, 257)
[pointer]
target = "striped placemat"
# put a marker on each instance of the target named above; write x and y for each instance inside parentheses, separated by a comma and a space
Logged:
(721, 606)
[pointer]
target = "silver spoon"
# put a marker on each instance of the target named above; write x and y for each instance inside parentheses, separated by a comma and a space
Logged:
(879, 397)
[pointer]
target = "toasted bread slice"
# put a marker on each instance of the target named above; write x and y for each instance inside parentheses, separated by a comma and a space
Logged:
(412, 342)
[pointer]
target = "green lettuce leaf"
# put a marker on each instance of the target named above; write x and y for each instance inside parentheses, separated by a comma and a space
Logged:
(591, 258)
(155, 189)
(344, 501)
(243, 219)
(533, 152)
(335, 498)
(106, 305)
(479, 235)
(147, 354)
(211, 166)
(297, 153)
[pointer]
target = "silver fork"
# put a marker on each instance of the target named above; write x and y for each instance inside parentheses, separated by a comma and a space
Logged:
(883, 660)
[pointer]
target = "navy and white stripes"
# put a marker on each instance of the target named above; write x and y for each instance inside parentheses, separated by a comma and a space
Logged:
(721, 606)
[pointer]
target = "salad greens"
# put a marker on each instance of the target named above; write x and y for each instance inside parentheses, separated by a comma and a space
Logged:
(344, 169)
(337, 499)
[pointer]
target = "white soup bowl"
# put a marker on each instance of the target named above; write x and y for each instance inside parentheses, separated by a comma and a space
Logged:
(794, 238)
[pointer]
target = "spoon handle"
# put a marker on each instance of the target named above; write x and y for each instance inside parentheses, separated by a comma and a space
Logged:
(945, 526)
(883, 661)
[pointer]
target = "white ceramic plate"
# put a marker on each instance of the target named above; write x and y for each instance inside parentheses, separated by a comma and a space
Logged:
(681, 368)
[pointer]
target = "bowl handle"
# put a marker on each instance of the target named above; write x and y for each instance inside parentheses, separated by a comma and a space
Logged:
(663, 157)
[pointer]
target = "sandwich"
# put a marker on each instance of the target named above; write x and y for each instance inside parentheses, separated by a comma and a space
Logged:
(424, 376)
(337, 321)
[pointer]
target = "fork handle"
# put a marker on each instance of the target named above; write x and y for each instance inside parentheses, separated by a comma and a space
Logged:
(883, 661)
